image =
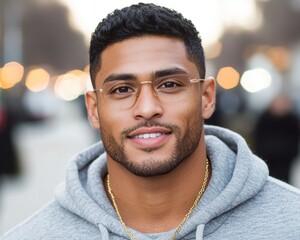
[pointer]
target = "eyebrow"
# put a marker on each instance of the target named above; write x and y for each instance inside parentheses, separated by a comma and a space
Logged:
(133, 77)
(121, 76)
(169, 71)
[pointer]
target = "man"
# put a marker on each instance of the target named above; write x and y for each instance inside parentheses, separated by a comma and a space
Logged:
(159, 173)
(278, 148)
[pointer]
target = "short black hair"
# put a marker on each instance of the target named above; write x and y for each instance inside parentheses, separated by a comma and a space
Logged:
(145, 19)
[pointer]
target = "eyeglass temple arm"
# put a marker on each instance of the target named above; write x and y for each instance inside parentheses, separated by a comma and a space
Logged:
(98, 90)
(195, 80)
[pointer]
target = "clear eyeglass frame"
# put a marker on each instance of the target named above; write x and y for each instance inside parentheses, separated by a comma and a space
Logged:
(123, 94)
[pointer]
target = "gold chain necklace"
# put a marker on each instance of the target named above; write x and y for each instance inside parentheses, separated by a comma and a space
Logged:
(185, 217)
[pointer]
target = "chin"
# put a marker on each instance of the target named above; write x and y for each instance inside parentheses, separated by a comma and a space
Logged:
(152, 167)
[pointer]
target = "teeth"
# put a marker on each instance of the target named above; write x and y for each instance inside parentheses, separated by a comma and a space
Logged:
(148, 135)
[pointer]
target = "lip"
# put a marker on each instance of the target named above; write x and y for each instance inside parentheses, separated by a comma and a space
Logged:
(149, 137)
(149, 130)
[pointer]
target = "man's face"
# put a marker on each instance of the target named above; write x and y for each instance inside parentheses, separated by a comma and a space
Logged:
(150, 138)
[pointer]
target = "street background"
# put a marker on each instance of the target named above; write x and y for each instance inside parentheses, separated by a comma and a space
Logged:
(252, 49)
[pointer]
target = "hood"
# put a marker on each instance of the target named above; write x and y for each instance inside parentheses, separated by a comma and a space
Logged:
(83, 192)
(237, 176)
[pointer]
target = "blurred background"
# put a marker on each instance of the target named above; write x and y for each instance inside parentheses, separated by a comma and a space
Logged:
(252, 49)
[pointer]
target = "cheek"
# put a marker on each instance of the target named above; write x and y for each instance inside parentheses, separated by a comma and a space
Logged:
(111, 122)
(186, 114)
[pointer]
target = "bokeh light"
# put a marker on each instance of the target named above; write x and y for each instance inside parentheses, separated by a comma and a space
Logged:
(256, 80)
(71, 85)
(280, 57)
(242, 14)
(228, 77)
(37, 80)
(11, 74)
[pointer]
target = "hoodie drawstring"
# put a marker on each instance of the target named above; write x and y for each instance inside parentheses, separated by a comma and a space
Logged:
(199, 232)
(103, 231)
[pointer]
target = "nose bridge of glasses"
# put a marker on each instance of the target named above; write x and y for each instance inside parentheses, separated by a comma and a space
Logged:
(146, 82)
(151, 85)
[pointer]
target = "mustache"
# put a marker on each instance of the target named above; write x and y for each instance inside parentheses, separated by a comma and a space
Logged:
(171, 127)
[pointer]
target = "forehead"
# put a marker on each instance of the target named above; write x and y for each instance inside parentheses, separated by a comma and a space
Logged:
(143, 56)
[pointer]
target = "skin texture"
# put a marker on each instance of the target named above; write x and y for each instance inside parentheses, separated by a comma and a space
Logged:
(144, 173)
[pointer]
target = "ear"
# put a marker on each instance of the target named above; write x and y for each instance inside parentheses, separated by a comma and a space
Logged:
(92, 110)
(208, 97)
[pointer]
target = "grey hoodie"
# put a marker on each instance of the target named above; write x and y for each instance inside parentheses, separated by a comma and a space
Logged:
(240, 202)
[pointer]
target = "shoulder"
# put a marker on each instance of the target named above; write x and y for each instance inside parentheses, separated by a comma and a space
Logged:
(278, 201)
(273, 212)
(51, 222)
(280, 192)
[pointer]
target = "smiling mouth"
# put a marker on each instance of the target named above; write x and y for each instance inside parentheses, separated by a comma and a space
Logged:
(149, 138)
(148, 135)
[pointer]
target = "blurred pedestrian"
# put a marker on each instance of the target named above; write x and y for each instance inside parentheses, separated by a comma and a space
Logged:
(8, 156)
(276, 136)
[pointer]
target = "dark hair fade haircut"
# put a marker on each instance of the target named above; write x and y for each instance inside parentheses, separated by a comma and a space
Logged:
(140, 20)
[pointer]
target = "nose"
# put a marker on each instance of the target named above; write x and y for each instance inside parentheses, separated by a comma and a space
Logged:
(147, 105)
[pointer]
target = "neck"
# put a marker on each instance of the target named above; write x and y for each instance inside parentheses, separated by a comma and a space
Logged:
(157, 204)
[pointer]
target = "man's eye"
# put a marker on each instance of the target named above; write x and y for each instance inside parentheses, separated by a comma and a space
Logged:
(122, 90)
(169, 85)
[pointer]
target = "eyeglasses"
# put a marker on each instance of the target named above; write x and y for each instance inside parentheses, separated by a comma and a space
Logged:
(123, 94)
